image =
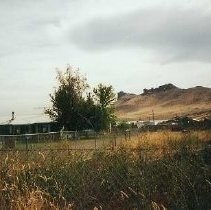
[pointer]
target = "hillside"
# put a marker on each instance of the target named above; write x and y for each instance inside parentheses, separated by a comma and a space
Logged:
(167, 101)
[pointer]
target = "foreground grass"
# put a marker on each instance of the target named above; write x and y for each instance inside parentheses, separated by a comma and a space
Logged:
(151, 171)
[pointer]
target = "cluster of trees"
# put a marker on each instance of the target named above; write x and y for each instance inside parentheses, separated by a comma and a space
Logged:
(74, 108)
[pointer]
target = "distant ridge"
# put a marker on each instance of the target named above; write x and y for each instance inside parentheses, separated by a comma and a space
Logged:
(122, 93)
(162, 88)
(167, 101)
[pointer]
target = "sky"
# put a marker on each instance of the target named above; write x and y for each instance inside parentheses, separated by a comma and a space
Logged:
(130, 44)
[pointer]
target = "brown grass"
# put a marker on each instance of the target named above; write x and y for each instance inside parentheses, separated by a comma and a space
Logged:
(138, 172)
(162, 138)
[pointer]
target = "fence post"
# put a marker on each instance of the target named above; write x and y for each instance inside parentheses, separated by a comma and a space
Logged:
(114, 137)
(95, 143)
(27, 146)
(127, 134)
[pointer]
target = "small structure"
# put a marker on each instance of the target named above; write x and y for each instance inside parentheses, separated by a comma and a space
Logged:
(141, 124)
(27, 124)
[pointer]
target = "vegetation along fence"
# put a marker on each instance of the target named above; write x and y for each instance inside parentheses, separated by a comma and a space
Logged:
(148, 170)
(87, 139)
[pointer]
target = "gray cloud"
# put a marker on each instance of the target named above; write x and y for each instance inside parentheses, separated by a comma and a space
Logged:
(38, 36)
(172, 34)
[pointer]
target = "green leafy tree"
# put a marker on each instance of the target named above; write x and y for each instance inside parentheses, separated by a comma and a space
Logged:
(67, 100)
(105, 97)
(71, 109)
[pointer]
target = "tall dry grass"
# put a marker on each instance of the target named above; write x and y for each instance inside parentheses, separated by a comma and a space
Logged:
(159, 170)
(163, 138)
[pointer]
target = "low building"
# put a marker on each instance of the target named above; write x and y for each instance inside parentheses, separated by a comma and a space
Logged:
(27, 124)
(141, 124)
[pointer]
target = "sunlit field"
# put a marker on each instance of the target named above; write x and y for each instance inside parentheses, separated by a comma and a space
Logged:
(149, 170)
(163, 138)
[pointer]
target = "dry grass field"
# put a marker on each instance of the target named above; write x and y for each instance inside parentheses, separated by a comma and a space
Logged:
(164, 138)
(159, 170)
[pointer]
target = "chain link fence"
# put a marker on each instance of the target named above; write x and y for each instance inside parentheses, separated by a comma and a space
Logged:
(87, 139)
(87, 170)
(141, 178)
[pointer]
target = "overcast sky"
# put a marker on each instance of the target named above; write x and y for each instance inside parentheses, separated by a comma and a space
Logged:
(130, 44)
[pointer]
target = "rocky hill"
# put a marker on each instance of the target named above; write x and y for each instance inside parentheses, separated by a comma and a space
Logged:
(166, 101)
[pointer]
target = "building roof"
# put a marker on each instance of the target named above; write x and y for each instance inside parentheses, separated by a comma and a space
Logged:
(25, 119)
